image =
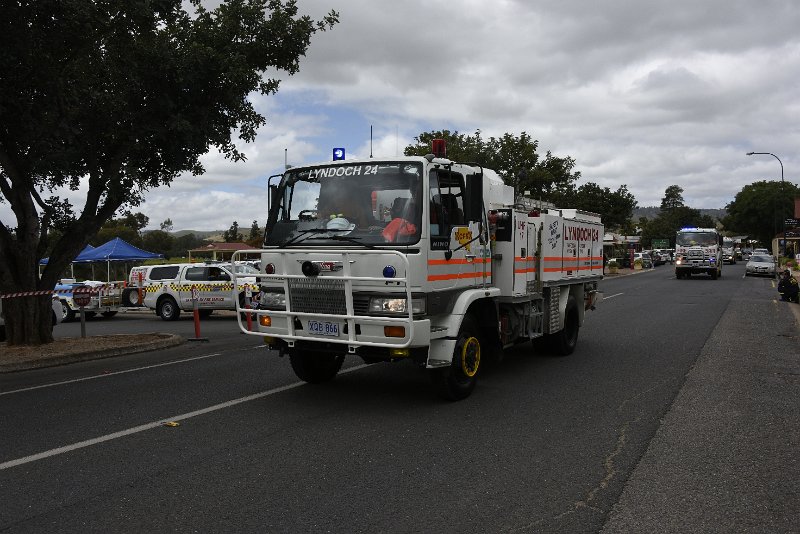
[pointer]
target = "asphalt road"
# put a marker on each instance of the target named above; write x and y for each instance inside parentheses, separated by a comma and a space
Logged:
(544, 444)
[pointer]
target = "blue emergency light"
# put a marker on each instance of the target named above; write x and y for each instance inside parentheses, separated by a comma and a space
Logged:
(338, 154)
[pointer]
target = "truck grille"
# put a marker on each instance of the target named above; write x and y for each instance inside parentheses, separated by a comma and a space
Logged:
(317, 295)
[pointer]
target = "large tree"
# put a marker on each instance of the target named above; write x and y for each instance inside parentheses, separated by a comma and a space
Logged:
(114, 99)
(760, 208)
(673, 198)
(615, 207)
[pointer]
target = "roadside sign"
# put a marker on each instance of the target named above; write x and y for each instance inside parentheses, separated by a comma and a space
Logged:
(82, 296)
(195, 293)
(792, 223)
(660, 243)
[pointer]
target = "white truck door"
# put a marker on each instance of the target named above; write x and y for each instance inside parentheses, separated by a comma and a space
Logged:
(453, 259)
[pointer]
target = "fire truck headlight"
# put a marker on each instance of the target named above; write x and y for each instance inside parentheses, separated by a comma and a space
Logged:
(390, 305)
(272, 300)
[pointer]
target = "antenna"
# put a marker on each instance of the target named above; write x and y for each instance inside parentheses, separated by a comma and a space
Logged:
(370, 140)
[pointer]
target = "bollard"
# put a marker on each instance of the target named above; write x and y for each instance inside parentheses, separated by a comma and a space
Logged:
(83, 322)
(248, 294)
(139, 290)
(196, 311)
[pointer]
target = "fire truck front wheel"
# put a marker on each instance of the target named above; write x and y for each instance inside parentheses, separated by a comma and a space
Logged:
(315, 367)
(457, 381)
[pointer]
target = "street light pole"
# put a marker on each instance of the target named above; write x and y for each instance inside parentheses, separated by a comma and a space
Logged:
(783, 190)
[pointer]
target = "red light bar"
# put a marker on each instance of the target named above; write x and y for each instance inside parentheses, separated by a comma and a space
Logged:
(439, 148)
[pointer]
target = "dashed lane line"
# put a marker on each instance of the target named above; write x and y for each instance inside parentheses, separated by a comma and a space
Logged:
(141, 428)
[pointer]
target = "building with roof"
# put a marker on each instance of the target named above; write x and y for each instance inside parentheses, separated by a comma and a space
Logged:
(220, 251)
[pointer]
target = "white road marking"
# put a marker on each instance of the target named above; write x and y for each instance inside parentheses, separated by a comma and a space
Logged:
(108, 374)
(156, 424)
(612, 296)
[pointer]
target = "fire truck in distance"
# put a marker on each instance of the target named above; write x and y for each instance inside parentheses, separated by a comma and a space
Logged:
(421, 259)
(698, 250)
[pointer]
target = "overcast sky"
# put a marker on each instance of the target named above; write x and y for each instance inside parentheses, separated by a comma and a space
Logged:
(643, 93)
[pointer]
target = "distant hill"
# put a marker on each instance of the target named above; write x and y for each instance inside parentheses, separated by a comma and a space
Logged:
(651, 212)
(211, 235)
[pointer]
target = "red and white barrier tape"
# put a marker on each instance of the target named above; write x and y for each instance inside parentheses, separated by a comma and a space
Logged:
(94, 292)
(26, 294)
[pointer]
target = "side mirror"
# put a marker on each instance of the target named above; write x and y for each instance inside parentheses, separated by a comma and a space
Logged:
(273, 196)
(473, 202)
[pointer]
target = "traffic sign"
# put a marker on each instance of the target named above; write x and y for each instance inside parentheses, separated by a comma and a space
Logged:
(82, 296)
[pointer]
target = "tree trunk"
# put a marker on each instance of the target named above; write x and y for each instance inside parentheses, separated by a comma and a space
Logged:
(28, 320)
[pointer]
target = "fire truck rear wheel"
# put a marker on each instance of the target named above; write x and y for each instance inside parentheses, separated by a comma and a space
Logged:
(315, 367)
(457, 381)
(565, 340)
(168, 309)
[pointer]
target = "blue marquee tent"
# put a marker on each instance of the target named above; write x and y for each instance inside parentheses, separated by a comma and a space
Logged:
(115, 250)
(80, 257)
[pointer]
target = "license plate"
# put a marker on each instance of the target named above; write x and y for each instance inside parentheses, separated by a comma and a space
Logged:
(323, 328)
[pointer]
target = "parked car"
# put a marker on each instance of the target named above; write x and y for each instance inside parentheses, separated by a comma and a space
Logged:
(647, 260)
(761, 264)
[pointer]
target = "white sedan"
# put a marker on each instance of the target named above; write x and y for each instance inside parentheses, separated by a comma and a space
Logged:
(761, 264)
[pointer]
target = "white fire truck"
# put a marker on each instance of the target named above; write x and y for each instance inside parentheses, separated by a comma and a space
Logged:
(698, 250)
(422, 259)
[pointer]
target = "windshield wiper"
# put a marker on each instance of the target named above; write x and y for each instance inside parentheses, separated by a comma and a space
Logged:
(354, 240)
(304, 233)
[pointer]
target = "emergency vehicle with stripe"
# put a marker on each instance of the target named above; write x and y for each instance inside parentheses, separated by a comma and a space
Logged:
(210, 285)
(419, 259)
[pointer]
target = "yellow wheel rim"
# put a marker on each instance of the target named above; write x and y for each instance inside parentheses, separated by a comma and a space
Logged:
(470, 356)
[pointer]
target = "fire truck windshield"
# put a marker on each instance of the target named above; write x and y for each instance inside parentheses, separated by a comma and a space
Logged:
(370, 203)
(693, 239)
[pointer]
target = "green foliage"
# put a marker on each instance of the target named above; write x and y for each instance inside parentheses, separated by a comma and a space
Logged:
(158, 241)
(615, 207)
(122, 97)
(256, 237)
(673, 198)
(674, 216)
(460, 147)
(232, 234)
(128, 227)
(760, 208)
(183, 244)
(515, 159)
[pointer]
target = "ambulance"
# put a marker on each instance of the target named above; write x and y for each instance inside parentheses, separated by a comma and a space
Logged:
(419, 259)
